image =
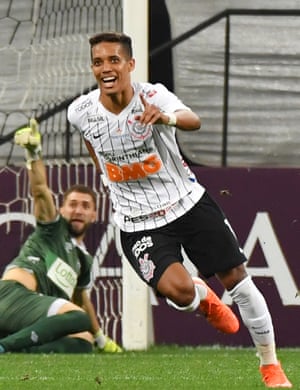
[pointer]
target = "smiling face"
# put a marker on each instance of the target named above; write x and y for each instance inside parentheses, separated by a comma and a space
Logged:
(79, 210)
(112, 68)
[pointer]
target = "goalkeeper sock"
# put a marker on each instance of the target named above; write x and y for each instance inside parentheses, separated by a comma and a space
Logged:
(63, 345)
(47, 329)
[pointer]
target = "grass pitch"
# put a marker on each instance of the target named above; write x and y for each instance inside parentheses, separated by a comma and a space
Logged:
(159, 368)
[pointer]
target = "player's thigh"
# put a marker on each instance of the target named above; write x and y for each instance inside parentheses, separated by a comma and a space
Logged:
(150, 253)
(65, 306)
(213, 246)
(70, 306)
(20, 307)
(87, 336)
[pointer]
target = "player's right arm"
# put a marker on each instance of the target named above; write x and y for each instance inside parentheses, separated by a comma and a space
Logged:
(93, 155)
(44, 207)
(29, 138)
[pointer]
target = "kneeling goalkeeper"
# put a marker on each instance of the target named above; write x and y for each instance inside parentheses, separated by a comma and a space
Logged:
(44, 304)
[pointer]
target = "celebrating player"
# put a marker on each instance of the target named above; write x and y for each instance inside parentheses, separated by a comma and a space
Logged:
(44, 304)
(129, 129)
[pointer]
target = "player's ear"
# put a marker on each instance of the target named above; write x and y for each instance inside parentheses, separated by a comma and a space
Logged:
(131, 64)
(94, 216)
(61, 210)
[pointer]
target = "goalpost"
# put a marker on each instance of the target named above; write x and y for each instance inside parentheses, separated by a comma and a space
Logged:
(137, 322)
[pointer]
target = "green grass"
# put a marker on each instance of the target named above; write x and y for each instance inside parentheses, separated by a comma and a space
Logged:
(159, 368)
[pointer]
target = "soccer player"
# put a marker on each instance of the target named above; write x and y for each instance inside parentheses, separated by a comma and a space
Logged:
(129, 129)
(44, 304)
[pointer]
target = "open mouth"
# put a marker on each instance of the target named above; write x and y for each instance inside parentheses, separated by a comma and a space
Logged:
(109, 81)
(77, 222)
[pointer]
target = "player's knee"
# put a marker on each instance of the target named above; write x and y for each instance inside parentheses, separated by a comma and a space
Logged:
(181, 295)
(68, 306)
(190, 306)
(87, 336)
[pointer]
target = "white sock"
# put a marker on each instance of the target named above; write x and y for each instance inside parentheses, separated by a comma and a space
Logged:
(267, 354)
(200, 293)
(256, 317)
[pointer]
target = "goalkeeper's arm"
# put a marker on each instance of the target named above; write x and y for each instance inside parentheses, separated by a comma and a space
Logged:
(29, 138)
(102, 342)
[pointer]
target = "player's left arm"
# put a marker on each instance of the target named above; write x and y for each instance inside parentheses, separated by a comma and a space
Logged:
(183, 119)
(82, 299)
(102, 341)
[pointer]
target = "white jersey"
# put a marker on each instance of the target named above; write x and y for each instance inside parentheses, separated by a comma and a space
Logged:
(149, 182)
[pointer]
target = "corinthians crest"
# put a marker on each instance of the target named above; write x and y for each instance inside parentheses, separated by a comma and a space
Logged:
(147, 267)
(139, 131)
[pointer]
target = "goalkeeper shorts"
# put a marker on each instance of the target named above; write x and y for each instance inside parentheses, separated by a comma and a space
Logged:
(20, 307)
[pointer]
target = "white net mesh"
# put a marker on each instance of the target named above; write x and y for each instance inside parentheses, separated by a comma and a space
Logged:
(45, 62)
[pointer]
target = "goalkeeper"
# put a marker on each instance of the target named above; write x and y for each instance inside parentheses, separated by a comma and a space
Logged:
(44, 303)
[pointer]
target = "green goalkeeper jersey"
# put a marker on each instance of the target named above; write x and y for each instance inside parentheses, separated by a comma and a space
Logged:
(58, 264)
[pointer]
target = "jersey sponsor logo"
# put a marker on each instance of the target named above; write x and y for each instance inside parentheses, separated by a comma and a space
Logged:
(84, 105)
(33, 259)
(98, 135)
(137, 109)
(135, 154)
(151, 93)
(154, 214)
(34, 337)
(63, 276)
(141, 245)
(69, 246)
(135, 170)
(147, 267)
(95, 118)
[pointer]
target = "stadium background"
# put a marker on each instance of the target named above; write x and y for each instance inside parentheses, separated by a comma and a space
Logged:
(44, 66)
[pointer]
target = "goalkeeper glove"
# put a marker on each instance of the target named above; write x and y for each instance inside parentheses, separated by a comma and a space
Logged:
(104, 343)
(29, 138)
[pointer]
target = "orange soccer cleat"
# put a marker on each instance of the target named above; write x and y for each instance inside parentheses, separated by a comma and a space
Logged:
(273, 376)
(219, 315)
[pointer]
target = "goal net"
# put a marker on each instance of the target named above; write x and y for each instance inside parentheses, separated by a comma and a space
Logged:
(45, 64)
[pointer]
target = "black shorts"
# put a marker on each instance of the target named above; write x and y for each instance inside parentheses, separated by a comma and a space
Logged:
(203, 232)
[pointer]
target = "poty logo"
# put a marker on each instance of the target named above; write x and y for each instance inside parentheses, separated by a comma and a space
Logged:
(142, 245)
